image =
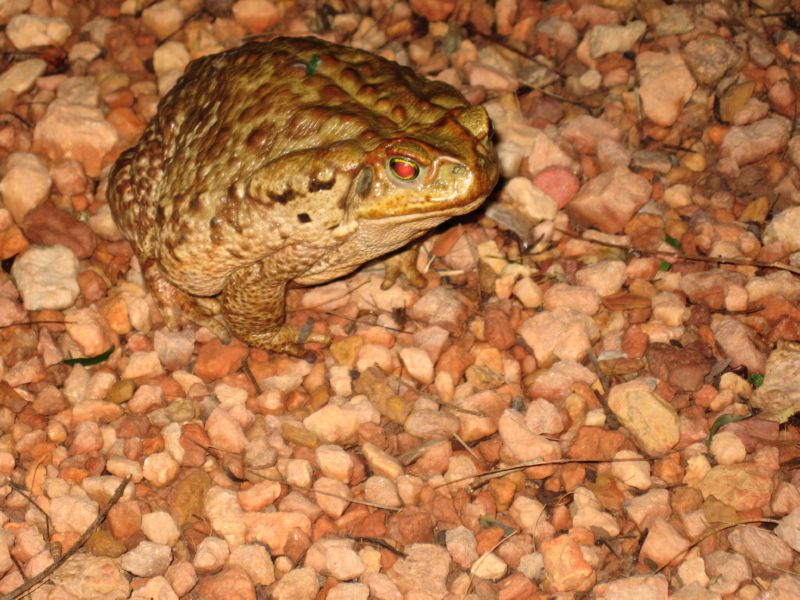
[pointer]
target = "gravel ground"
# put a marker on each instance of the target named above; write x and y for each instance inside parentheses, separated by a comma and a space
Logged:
(592, 396)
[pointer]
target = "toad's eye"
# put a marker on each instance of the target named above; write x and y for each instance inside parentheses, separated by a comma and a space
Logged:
(404, 168)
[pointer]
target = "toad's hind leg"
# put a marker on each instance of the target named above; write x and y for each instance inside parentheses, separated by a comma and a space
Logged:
(253, 303)
(174, 304)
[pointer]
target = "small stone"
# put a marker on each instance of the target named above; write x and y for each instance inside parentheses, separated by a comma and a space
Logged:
(462, 546)
(666, 85)
(565, 566)
(211, 555)
(609, 200)
(606, 39)
(587, 512)
(381, 462)
(559, 334)
(148, 559)
(528, 292)
(635, 474)
(335, 557)
(215, 360)
(431, 424)
(750, 143)
(727, 571)
(768, 553)
(521, 444)
(683, 368)
(255, 560)
(160, 469)
(528, 513)
(160, 527)
(72, 513)
(710, 57)
(738, 342)
(478, 414)
(743, 486)
(789, 529)
(782, 228)
(334, 462)
(76, 131)
(605, 277)
(529, 200)
(47, 225)
(233, 582)
(641, 587)
(221, 508)
(163, 18)
(332, 496)
(489, 566)
(418, 363)
(256, 15)
(443, 307)
(123, 467)
(142, 365)
(643, 509)
(558, 183)
(581, 299)
(651, 421)
(26, 183)
(174, 349)
(155, 587)
(693, 570)
(88, 576)
(47, 277)
(297, 584)
(21, 76)
(259, 496)
(423, 569)
(382, 491)
(778, 394)
(29, 31)
(727, 448)
(335, 424)
(274, 529)
(663, 544)
(225, 432)
(89, 330)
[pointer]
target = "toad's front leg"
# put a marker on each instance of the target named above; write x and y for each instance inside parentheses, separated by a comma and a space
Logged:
(253, 302)
(176, 305)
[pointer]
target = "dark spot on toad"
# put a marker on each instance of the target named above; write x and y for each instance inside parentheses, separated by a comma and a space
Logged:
(283, 197)
(194, 204)
(317, 185)
(303, 218)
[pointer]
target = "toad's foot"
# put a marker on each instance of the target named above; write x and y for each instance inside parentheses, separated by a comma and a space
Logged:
(405, 263)
(176, 305)
(285, 338)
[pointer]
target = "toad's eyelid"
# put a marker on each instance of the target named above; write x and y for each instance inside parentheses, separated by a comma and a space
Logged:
(409, 154)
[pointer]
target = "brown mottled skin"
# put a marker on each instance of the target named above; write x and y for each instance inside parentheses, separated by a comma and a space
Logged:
(297, 161)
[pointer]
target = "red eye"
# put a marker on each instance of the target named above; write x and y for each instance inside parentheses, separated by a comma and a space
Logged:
(404, 168)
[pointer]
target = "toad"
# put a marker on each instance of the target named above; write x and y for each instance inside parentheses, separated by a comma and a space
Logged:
(292, 161)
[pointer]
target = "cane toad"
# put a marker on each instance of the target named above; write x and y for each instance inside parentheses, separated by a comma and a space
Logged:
(290, 161)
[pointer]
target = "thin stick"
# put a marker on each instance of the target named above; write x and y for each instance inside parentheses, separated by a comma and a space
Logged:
(34, 581)
(485, 554)
(744, 262)
(546, 463)
(708, 534)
